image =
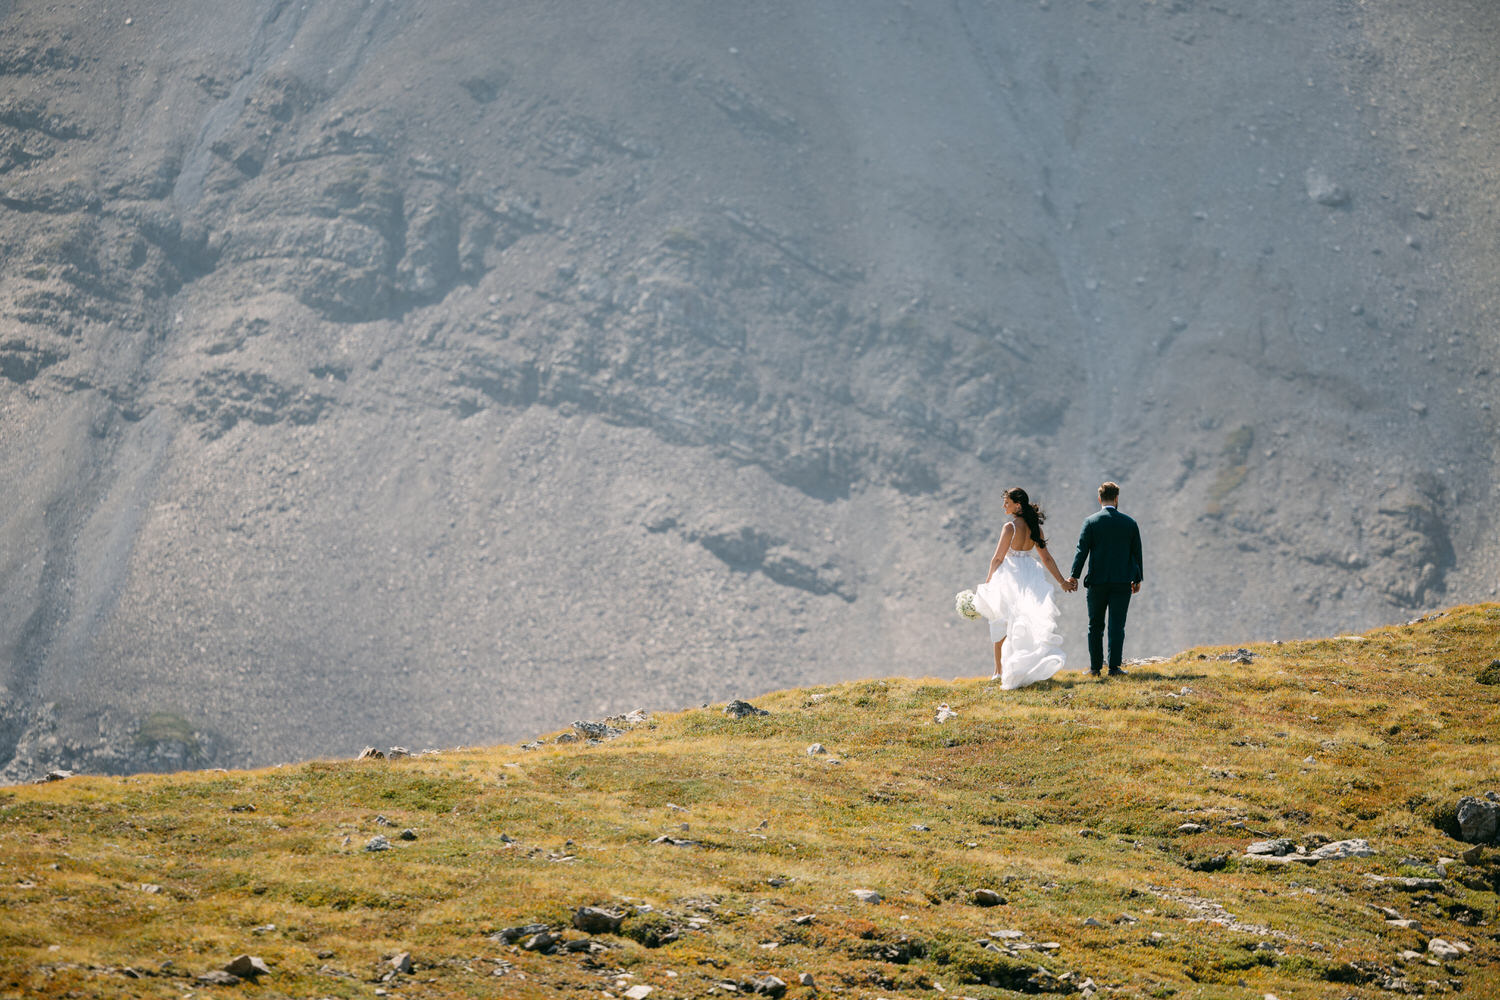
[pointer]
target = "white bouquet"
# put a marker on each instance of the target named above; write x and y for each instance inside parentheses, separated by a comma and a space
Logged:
(964, 602)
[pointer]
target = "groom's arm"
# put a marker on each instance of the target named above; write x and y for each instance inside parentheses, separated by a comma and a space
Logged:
(1135, 556)
(1083, 551)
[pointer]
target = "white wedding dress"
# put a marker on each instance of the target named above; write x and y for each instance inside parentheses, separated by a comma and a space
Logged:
(1018, 601)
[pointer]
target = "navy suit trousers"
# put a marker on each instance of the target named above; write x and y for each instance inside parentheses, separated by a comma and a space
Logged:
(1111, 600)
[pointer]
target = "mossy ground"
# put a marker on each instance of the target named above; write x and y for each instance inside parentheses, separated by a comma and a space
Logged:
(1066, 798)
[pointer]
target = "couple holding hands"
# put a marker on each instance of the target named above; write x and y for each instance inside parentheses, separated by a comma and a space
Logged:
(1017, 595)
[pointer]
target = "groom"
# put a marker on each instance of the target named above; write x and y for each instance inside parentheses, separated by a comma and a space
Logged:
(1111, 543)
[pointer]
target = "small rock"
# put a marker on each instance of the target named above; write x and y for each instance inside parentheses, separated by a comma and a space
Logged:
(542, 942)
(382, 821)
(865, 895)
(1405, 924)
(1408, 883)
(944, 713)
(986, 897)
(510, 935)
(674, 842)
(263, 929)
(1438, 948)
(597, 730)
(370, 753)
(396, 753)
(816, 749)
(218, 977)
(1191, 828)
(57, 775)
(639, 992)
(1324, 191)
(378, 843)
(1007, 935)
(806, 979)
(408, 834)
(1338, 850)
(921, 828)
(1216, 863)
(770, 986)
(402, 963)
(804, 919)
(247, 967)
(1473, 855)
(1093, 922)
(740, 709)
(595, 920)
(1278, 847)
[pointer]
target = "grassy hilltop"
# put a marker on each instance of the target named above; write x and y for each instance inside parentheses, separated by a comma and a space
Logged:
(1068, 801)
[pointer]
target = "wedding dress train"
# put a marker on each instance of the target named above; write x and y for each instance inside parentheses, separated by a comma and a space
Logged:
(1018, 601)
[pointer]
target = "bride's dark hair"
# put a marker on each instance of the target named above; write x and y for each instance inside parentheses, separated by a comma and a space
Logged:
(1030, 513)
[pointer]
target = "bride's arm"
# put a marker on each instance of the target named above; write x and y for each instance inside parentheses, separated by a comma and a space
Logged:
(1006, 534)
(1051, 567)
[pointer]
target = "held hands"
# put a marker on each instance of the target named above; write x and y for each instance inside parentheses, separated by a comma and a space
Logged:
(1070, 584)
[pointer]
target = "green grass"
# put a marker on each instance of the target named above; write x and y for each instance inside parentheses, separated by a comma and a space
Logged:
(1065, 798)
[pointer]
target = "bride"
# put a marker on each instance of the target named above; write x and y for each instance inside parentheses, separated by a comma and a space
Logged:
(1017, 598)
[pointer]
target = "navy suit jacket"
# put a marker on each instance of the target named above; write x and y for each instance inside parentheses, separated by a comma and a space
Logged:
(1111, 543)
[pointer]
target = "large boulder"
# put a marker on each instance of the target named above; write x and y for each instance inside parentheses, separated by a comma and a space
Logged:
(1478, 819)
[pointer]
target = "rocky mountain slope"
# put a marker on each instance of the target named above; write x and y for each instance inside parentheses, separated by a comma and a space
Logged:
(418, 373)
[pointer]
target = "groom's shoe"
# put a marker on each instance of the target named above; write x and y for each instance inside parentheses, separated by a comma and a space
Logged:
(1116, 672)
(1095, 672)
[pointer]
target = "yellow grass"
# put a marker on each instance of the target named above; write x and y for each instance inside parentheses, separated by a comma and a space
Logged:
(1065, 798)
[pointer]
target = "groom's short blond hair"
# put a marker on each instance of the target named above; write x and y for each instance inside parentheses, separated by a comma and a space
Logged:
(1109, 491)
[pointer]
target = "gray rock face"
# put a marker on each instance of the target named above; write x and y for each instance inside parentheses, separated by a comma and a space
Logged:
(743, 709)
(322, 369)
